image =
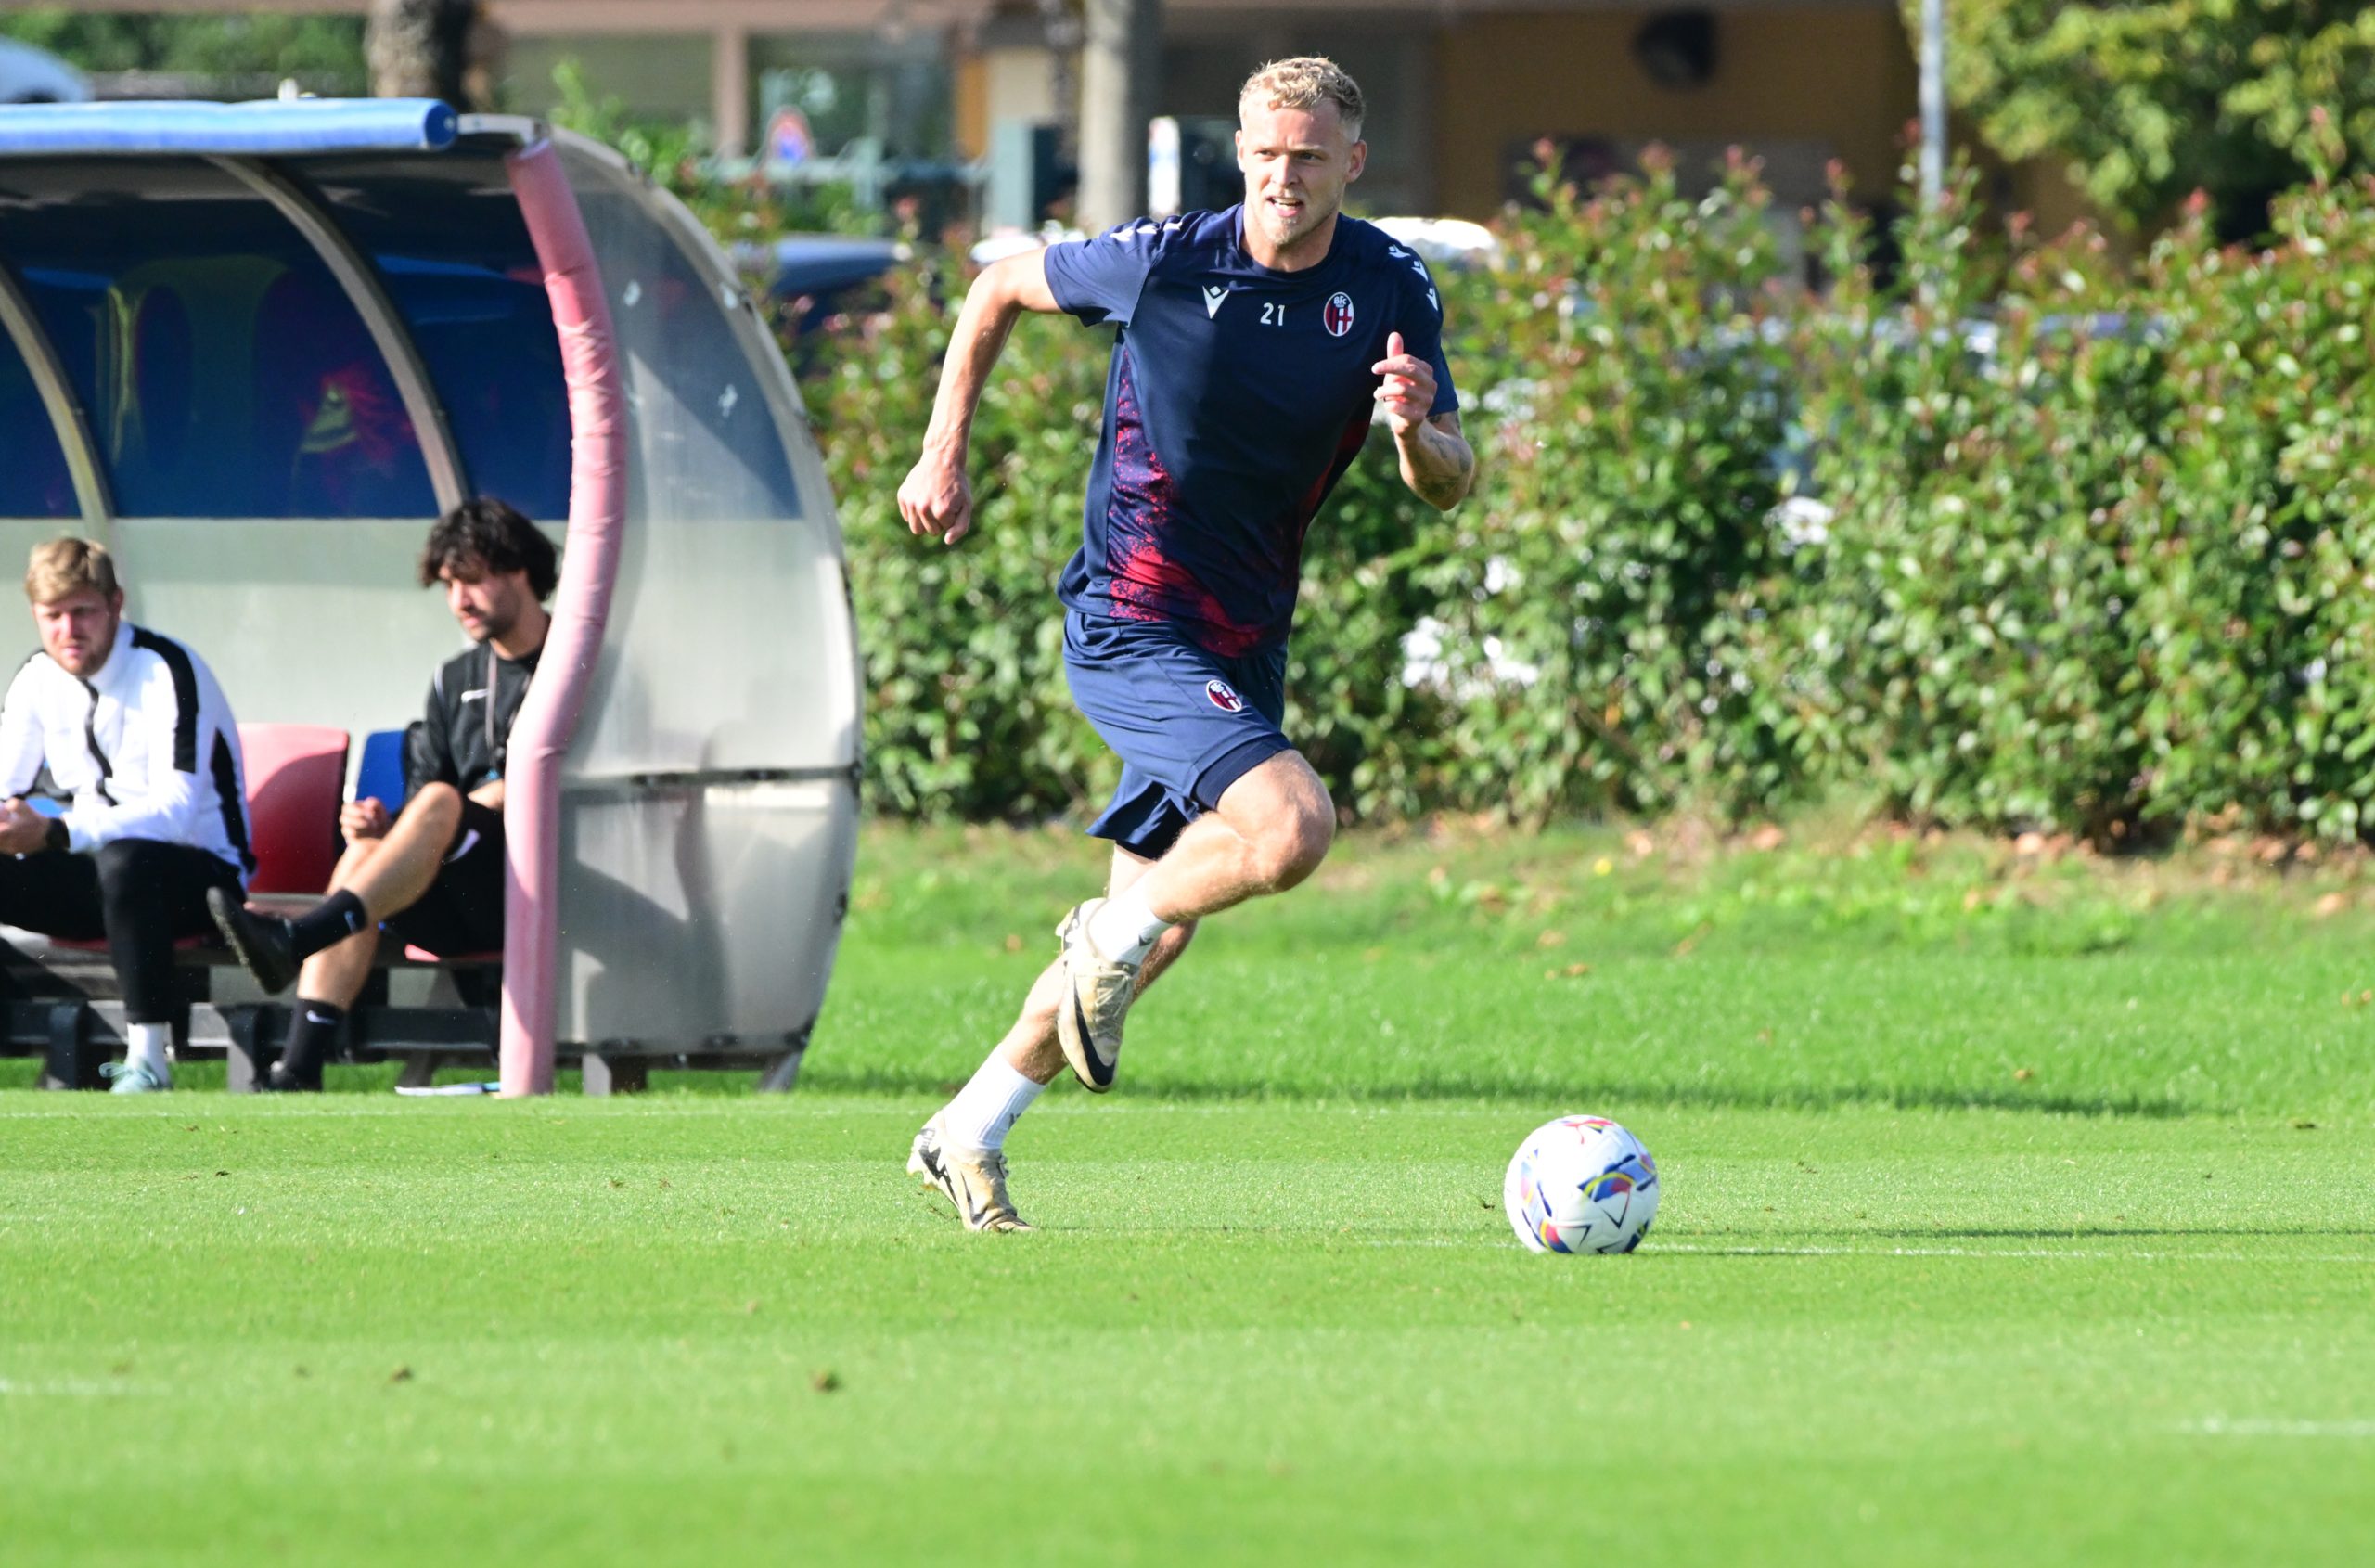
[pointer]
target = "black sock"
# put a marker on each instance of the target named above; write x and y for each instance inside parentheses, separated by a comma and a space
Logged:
(329, 923)
(312, 1029)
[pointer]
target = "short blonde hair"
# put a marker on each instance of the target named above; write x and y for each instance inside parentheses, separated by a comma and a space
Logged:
(67, 566)
(1307, 82)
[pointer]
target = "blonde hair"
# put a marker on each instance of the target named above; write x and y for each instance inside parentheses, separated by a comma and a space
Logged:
(67, 566)
(1307, 82)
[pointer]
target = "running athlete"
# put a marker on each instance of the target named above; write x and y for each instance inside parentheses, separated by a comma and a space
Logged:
(1257, 345)
(133, 732)
(432, 871)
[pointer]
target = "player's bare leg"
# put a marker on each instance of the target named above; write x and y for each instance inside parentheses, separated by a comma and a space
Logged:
(1031, 1047)
(961, 1151)
(399, 872)
(1271, 831)
(373, 880)
(336, 973)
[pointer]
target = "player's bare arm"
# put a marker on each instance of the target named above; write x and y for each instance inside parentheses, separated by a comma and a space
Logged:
(936, 499)
(1437, 463)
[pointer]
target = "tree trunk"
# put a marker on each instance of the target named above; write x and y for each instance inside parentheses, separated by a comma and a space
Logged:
(422, 49)
(1121, 57)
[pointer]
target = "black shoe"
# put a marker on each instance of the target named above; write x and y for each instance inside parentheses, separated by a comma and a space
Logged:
(265, 944)
(277, 1079)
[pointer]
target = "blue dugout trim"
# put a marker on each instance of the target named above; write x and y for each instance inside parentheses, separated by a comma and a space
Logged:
(270, 128)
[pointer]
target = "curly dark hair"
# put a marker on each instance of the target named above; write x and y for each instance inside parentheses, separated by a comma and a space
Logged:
(487, 535)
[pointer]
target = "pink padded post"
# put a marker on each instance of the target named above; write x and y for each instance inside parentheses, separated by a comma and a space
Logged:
(540, 737)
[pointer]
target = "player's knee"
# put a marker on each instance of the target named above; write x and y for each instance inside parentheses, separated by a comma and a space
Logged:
(1291, 845)
(439, 804)
(126, 867)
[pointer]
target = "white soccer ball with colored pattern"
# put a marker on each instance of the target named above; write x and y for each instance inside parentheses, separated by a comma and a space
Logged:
(1581, 1184)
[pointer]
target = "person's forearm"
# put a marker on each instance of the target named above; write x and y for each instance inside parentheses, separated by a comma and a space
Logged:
(980, 336)
(1437, 466)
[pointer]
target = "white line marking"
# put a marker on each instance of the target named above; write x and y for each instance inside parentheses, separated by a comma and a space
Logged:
(2096, 1255)
(2221, 1426)
(1694, 1249)
(743, 1105)
(73, 1388)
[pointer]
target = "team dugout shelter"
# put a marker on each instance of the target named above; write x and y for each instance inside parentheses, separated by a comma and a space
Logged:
(257, 348)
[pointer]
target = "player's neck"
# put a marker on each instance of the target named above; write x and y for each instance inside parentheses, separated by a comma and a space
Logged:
(1300, 255)
(526, 635)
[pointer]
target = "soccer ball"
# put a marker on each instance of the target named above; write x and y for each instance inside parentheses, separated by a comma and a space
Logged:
(1581, 1184)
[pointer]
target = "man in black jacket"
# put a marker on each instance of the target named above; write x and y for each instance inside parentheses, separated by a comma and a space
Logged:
(434, 874)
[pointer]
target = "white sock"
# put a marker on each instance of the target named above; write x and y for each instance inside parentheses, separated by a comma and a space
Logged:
(148, 1043)
(1123, 927)
(985, 1109)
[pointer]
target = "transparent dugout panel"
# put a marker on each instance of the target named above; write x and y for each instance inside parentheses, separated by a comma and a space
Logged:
(224, 371)
(34, 480)
(730, 646)
(452, 250)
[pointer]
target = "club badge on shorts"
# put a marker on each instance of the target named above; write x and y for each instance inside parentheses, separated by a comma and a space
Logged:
(1224, 697)
(1339, 315)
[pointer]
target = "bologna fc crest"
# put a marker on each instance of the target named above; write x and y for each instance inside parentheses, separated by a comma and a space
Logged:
(1339, 315)
(1224, 697)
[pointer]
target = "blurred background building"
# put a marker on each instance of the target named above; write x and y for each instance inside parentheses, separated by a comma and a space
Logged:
(1464, 90)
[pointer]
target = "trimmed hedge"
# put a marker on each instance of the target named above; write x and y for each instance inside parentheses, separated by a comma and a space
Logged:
(2022, 536)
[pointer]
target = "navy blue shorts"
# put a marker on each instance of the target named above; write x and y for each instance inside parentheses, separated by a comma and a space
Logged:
(1186, 722)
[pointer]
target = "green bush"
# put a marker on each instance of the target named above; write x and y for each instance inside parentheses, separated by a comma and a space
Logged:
(967, 712)
(2017, 535)
(2267, 583)
(1632, 394)
(1963, 635)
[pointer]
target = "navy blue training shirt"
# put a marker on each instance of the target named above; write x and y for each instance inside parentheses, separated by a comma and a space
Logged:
(1237, 397)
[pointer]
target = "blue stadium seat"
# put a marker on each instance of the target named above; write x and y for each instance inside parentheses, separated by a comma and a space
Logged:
(381, 776)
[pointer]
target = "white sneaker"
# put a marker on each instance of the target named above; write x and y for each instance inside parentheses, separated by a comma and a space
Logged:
(133, 1077)
(1097, 993)
(972, 1179)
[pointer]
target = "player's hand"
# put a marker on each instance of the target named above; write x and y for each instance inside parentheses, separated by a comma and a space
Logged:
(22, 830)
(365, 818)
(936, 500)
(1407, 394)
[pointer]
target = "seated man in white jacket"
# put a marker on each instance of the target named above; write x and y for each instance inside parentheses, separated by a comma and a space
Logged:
(133, 729)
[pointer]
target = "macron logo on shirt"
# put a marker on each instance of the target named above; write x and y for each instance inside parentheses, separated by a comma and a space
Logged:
(1213, 297)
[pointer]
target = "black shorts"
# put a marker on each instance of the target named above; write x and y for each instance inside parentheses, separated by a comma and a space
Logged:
(462, 911)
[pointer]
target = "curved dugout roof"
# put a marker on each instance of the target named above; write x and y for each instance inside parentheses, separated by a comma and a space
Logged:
(217, 322)
(324, 310)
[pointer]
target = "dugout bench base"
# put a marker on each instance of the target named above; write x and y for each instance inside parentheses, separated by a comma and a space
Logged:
(62, 1005)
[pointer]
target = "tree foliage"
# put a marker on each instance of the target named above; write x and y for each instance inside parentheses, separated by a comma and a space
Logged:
(322, 53)
(2147, 101)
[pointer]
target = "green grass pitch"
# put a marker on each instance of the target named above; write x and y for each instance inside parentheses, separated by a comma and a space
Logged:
(2015, 1212)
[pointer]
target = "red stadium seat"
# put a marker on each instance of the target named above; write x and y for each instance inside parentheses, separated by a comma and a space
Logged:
(296, 775)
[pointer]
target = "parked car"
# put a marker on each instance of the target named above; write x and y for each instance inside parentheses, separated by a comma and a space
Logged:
(1446, 242)
(30, 75)
(816, 275)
